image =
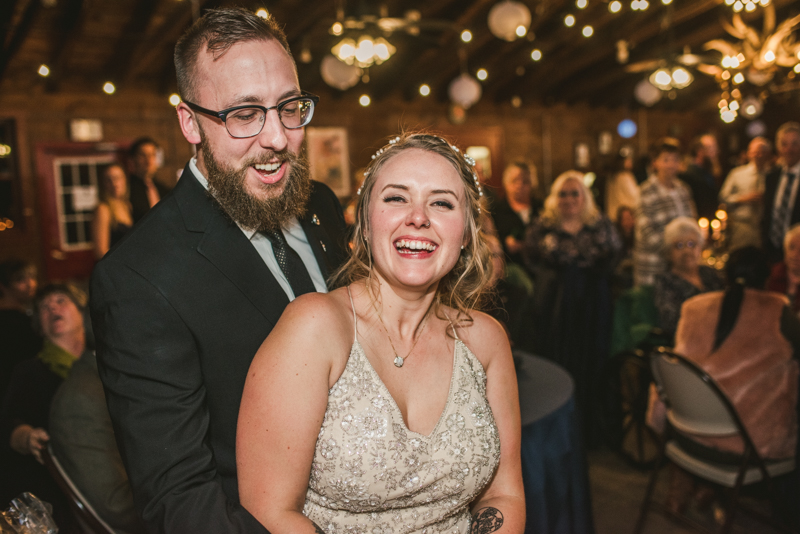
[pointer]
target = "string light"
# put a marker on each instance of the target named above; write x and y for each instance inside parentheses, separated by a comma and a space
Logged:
(174, 99)
(466, 36)
(424, 89)
(263, 13)
(109, 88)
(364, 100)
(536, 55)
(482, 74)
(588, 31)
(337, 28)
(44, 71)
(569, 21)
(582, 4)
(615, 6)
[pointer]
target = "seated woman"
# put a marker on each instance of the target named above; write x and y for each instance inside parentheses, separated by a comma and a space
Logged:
(683, 244)
(390, 404)
(114, 215)
(26, 408)
(572, 250)
(785, 276)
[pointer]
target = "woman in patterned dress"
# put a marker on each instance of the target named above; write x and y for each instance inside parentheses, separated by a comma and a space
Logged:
(572, 250)
(390, 404)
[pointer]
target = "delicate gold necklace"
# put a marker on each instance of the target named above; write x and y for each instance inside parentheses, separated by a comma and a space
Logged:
(398, 360)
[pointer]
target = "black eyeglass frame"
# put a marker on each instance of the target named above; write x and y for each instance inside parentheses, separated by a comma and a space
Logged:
(223, 114)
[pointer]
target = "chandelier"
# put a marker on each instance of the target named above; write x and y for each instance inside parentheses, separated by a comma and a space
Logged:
(365, 52)
(667, 78)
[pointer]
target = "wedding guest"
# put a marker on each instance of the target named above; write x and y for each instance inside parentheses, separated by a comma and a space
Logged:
(572, 250)
(621, 187)
(662, 198)
(516, 211)
(742, 194)
(683, 245)
(25, 414)
(785, 275)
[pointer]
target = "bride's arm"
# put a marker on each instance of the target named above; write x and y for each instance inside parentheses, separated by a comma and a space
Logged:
(283, 405)
(501, 506)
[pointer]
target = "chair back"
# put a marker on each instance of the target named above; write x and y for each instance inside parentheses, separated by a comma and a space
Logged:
(696, 404)
(88, 518)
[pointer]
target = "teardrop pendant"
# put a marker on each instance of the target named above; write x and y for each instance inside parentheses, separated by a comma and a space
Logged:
(398, 361)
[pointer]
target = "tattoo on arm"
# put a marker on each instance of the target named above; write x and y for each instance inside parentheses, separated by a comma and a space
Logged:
(486, 520)
(317, 529)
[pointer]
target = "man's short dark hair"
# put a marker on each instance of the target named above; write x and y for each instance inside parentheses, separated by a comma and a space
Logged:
(668, 145)
(139, 143)
(10, 269)
(216, 32)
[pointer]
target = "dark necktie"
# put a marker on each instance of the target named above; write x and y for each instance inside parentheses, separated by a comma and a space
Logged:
(290, 263)
(782, 215)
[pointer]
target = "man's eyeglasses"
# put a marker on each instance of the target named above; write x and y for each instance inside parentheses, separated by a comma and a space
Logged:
(572, 193)
(248, 120)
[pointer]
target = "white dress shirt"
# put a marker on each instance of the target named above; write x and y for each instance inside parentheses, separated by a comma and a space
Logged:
(295, 237)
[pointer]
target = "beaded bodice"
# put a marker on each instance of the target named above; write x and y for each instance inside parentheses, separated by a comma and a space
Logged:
(372, 475)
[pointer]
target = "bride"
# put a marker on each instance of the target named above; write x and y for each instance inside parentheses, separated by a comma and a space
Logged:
(390, 404)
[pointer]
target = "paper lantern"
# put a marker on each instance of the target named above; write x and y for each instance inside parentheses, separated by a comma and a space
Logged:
(646, 93)
(465, 91)
(506, 17)
(337, 74)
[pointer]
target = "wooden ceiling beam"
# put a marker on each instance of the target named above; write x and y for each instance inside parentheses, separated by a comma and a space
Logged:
(133, 33)
(69, 29)
(565, 64)
(160, 41)
(430, 62)
(7, 10)
(19, 34)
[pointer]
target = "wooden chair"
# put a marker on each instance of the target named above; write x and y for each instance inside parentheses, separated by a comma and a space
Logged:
(697, 406)
(87, 517)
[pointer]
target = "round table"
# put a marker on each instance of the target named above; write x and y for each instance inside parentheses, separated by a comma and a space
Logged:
(553, 460)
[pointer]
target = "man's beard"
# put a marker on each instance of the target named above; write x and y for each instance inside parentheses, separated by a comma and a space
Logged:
(227, 186)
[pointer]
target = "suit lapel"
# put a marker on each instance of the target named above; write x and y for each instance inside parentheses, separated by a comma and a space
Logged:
(224, 245)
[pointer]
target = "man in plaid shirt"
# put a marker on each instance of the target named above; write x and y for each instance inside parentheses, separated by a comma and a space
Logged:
(662, 198)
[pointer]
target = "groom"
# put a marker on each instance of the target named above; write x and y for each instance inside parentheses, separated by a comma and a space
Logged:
(181, 305)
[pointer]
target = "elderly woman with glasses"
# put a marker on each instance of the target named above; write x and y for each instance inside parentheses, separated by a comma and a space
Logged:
(683, 243)
(572, 250)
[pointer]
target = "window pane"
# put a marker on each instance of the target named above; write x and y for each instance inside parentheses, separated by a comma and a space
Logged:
(67, 199)
(66, 175)
(72, 233)
(83, 172)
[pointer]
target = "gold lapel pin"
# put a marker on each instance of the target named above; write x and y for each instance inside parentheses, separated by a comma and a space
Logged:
(315, 219)
(324, 248)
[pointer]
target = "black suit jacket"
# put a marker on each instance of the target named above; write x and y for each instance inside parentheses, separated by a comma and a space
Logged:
(180, 306)
(771, 182)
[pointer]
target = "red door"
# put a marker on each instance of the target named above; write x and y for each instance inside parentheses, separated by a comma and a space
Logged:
(68, 183)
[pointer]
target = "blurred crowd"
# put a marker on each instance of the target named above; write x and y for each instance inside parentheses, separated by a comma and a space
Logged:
(580, 268)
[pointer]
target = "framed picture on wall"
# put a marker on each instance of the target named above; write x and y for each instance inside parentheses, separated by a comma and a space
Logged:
(329, 157)
(583, 157)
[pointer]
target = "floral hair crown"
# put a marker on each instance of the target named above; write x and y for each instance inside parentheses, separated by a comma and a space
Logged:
(466, 157)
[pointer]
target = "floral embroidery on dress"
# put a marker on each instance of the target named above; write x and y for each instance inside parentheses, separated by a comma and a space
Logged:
(372, 475)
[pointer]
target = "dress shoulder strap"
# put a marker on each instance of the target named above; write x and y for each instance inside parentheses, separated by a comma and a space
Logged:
(455, 334)
(355, 318)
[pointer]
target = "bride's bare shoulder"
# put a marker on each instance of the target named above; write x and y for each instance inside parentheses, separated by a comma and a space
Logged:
(318, 313)
(483, 334)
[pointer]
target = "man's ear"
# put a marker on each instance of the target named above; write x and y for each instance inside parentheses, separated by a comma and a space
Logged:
(188, 122)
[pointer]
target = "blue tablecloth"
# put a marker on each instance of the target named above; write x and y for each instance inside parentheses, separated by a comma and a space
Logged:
(553, 461)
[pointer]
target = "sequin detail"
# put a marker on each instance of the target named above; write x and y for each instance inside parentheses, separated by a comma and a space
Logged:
(372, 475)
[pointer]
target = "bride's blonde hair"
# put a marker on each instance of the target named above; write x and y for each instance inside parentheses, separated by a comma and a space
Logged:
(464, 288)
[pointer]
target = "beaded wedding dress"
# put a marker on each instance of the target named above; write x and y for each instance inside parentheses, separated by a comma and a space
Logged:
(372, 475)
